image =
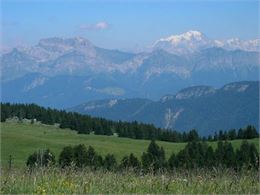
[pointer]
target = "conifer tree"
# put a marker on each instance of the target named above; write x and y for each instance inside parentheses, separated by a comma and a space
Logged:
(154, 158)
(80, 155)
(66, 157)
(110, 162)
(130, 162)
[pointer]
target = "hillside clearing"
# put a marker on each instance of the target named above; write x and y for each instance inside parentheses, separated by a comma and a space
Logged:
(22, 139)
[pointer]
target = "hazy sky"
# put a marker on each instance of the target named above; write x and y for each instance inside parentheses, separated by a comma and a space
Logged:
(118, 24)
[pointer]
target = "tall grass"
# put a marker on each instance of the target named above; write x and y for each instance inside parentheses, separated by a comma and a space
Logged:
(197, 181)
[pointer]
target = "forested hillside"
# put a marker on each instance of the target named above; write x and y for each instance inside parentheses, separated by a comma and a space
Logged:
(85, 124)
(204, 108)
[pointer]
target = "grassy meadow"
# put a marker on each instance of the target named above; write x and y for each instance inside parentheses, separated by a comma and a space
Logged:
(22, 139)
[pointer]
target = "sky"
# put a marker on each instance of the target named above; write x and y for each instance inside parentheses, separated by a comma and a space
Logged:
(125, 24)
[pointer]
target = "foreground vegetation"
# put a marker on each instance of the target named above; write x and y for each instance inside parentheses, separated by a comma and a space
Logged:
(194, 155)
(22, 139)
(72, 181)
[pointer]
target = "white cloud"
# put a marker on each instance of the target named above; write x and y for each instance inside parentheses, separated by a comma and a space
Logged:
(101, 25)
(98, 26)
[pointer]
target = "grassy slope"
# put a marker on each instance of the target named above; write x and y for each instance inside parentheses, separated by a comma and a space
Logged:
(20, 140)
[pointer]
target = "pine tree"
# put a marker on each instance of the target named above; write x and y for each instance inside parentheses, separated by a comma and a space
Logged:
(110, 162)
(172, 162)
(219, 153)
(228, 155)
(133, 161)
(91, 157)
(154, 158)
(243, 155)
(209, 157)
(66, 157)
(130, 162)
(193, 136)
(240, 134)
(80, 155)
(254, 156)
(232, 134)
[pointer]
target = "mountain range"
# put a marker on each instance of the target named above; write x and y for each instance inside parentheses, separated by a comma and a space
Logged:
(64, 72)
(193, 41)
(204, 108)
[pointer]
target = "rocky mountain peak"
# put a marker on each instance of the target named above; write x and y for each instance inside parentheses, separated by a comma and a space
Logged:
(195, 92)
(236, 87)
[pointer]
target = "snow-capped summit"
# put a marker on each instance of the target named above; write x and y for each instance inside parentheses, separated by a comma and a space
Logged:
(193, 41)
(185, 43)
(188, 36)
(249, 45)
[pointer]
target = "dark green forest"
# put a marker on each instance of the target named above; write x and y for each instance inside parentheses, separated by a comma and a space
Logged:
(194, 155)
(85, 124)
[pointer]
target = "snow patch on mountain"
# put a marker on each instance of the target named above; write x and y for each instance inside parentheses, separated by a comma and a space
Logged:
(188, 36)
(35, 83)
(170, 117)
(185, 43)
(249, 45)
(111, 103)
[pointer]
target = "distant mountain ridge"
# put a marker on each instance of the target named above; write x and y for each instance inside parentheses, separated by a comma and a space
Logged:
(193, 41)
(204, 108)
(53, 71)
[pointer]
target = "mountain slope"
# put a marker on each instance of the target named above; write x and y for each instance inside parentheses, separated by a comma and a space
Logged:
(204, 108)
(53, 71)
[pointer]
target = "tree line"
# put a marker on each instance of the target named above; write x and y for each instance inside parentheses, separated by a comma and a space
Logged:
(85, 124)
(248, 132)
(194, 155)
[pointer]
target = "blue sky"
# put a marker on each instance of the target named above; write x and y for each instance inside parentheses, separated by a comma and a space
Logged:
(125, 24)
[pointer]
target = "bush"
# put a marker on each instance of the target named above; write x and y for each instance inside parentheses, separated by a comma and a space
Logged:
(110, 162)
(130, 162)
(247, 156)
(92, 158)
(66, 157)
(80, 155)
(41, 158)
